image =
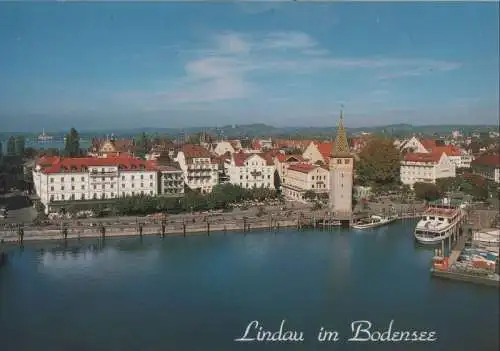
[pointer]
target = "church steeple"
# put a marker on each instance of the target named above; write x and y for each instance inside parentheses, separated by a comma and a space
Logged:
(340, 147)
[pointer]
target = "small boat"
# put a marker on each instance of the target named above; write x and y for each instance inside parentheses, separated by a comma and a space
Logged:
(329, 223)
(373, 222)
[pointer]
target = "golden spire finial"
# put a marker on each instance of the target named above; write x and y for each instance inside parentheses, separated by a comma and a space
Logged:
(341, 147)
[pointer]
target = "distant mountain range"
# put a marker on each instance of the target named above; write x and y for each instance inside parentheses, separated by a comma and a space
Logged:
(263, 130)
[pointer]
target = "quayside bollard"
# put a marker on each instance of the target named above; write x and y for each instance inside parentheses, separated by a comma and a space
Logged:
(225, 229)
(140, 230)
(244, 225)
(65, 233)
(208, 228)
(163, 227)
(20, 234)
(103, 232)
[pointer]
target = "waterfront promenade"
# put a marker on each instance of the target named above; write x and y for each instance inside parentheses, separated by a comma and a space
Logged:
(272, 220)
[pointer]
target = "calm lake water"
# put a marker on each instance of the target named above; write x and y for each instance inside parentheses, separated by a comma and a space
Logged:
(199, 293)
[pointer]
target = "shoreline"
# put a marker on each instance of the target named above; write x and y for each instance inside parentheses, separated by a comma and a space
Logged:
(33, 236)
(128, 230)
(40, 235)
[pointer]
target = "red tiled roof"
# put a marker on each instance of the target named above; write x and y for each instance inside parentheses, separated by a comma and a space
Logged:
(168, 168)
(79, 164)
(302, 167)
(47, 160)
(449, 150)
(195, 151)
(271, 153)
(325, 149)
(240, 158)
(423, 157)
(291, 143)
(120, 145)
(428, 144)
(487, 160)
(286, 158)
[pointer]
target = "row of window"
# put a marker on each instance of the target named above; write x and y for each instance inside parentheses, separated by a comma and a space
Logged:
(268, 185)
(255, 163)
(319, 177)
(321, 186)
(103, 186)
(264, 169)
(255, 177)
(95, 196)
(103, 178)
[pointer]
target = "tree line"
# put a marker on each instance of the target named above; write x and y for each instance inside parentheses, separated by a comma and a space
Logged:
(470, 184)
(222, 197)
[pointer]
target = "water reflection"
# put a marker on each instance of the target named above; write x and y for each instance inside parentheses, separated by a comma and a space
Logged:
(97, 259)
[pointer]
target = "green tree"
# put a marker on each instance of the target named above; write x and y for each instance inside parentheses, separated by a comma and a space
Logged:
(277, 180)
(426, 191)
(449, 184)
(72, 144)
(30, 152)
(379, 163)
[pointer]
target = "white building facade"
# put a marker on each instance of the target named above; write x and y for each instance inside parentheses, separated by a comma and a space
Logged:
(89, 178)
(300, 178)
(251, 170)
(425, 168)
(199, 167)
(171, 181)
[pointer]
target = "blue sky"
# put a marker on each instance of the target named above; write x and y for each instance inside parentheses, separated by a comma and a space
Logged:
(105, 65)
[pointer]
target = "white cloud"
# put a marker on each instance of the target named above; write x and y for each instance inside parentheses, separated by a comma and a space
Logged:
(224, 69)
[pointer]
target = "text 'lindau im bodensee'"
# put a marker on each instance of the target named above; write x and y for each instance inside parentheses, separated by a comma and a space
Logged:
(361, 331)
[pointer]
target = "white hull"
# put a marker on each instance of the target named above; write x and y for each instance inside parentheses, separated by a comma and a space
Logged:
(431, 241)
(433, 233)
(374, 224)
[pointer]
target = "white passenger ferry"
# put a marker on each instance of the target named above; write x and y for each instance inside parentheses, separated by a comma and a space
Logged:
(438, 223)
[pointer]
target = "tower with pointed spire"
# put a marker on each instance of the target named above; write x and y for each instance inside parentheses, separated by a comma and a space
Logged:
(341, 168)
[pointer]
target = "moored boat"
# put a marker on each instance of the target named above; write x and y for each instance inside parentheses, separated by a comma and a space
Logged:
(373, 222)
(438, 223)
